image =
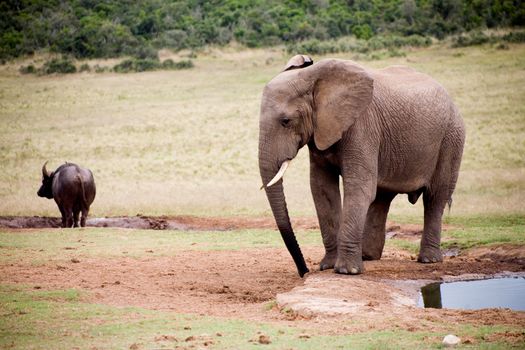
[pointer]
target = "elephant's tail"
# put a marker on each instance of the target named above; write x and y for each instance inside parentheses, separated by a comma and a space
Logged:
(449, 203)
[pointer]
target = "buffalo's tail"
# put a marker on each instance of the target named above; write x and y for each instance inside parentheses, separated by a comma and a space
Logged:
(83, 190)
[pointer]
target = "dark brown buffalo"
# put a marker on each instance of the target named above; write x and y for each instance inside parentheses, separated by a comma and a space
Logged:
(72, 188)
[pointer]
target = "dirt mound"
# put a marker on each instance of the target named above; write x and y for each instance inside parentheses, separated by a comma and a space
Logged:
(334, 295)
(161, 223)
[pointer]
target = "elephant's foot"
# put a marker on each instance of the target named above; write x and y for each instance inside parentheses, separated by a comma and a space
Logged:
(328, 262)
(350, 266)
(430, 255)
(372, 253)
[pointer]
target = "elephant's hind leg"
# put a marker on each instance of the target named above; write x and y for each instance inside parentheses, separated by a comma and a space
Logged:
(434, 204)
(374, 232)
(324, 183)
(439, 193)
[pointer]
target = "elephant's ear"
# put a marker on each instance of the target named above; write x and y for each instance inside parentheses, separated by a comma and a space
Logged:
(342, 92)
(298, 61)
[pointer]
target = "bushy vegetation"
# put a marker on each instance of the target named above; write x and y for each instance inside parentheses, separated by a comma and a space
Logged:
(94, 29)
(348, 44)
(54, 66)
(479, 38)
(64, 65)
(148, 64)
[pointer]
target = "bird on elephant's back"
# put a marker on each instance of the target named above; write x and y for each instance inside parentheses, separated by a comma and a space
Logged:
(384, 132)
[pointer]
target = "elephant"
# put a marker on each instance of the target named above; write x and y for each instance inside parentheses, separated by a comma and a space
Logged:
(384, 132)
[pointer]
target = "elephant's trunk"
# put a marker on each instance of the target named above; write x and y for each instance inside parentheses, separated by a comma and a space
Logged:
(277, 201)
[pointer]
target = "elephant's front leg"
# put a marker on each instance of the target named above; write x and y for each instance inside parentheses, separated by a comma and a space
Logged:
(358, 196)
(374, 232)
(324, 182)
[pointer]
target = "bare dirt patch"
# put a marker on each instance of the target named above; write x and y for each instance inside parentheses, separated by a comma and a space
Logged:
(245, 283)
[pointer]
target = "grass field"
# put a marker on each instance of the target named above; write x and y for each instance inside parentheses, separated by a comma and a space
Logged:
(185, 142)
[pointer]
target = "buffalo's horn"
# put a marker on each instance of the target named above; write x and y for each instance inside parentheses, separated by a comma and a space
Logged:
(279, 174)
(44, 170)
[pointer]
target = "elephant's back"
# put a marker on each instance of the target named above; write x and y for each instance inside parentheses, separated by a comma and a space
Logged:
(406, 80)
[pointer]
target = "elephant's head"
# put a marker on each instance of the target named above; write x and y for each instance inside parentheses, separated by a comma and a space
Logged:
(305, 102)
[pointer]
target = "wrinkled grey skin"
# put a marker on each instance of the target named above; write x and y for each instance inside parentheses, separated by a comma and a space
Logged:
(72, 188)
(385, 132)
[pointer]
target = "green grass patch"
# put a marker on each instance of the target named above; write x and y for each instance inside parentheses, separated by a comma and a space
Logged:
(409, 246)
(476, 231)
(64, 244)
(61, 320)
(61, 244)
(472, 231)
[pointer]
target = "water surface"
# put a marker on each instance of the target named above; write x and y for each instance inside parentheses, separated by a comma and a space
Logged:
(508, 292)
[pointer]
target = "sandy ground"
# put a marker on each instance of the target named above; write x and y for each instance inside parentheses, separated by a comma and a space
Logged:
(245, 284)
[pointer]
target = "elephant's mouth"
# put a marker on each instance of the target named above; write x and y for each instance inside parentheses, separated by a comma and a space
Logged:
(279, 174)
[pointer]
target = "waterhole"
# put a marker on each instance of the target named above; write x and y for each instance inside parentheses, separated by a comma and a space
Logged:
(508, 292)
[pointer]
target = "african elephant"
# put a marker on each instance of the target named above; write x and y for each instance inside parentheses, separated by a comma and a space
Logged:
(384, 131)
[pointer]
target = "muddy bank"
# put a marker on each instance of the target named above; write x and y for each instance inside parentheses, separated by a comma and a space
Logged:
(159, 223)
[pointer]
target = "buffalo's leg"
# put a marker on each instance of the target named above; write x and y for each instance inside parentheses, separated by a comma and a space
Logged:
(76, 214)
(85, 212)
(374, 232)
(63, 214)
(69, 216)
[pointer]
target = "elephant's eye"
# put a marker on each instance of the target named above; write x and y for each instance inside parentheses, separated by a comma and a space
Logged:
(285, 122)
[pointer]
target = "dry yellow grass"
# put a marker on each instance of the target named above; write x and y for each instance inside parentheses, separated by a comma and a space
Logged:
(185, 142)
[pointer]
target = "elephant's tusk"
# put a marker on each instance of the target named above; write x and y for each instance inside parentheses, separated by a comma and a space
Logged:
(279, 174)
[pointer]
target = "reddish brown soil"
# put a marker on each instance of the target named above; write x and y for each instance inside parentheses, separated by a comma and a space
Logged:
(242, 283)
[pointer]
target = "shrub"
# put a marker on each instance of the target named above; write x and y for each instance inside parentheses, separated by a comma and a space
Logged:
(479, 38)
(396, 53)
(143, 65)
(84, 68)
(475, 38)
(170, 64)
(29, 69)
(348, 44)
(99, 69)
(61, 66)
(125, 66)
(184, 64)
(146, 52)
(362, 31)
(514, 37)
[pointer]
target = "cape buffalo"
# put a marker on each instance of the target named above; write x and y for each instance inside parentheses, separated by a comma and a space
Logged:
(72, 188)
